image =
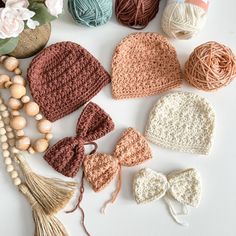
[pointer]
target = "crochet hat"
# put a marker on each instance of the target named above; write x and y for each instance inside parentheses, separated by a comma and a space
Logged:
(63, 77)
(182, 121)
(144, 64)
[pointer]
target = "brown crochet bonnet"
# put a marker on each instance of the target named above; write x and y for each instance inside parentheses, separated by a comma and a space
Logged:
(63, 77)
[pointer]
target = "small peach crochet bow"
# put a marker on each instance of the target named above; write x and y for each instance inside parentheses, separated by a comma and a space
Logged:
(100, 169)
(183, 186)
(67, 155)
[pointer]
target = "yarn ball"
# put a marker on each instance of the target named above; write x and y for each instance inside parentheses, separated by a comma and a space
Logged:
(210, 66)
(136, 14)
(90, 13)
(184, 19)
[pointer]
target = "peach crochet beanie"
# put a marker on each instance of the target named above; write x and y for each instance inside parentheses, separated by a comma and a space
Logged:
(144, 64)
(182, 121)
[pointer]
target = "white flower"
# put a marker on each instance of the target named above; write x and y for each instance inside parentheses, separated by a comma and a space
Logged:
(12, 18)
(32, 24)
(54, 7)
(10, 24)
(17, 3)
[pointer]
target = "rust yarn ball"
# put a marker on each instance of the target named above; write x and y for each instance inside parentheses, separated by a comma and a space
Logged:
(210, 66)
(136, 14)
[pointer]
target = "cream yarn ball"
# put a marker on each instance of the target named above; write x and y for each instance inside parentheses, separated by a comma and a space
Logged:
(184, 19)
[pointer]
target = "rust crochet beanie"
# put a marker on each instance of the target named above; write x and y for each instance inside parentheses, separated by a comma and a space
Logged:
(144, 64)
(63, 77)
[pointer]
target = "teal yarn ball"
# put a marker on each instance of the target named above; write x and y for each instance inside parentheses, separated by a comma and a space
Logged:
(91, 13)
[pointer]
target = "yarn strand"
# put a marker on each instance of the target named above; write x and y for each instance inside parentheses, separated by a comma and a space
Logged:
(78, 206)
(174, 214)
(114, 194)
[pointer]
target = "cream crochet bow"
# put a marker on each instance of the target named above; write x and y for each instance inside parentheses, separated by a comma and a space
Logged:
(183, 186)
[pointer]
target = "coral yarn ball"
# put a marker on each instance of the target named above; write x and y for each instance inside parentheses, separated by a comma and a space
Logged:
(210, 66)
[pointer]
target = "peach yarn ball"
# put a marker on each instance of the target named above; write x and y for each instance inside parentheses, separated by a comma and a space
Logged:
(210, 66)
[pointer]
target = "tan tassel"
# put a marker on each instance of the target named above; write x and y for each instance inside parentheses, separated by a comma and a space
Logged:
(45, 225)
(52, 194)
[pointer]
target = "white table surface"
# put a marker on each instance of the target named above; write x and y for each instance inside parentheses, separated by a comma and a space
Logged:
(217, 211)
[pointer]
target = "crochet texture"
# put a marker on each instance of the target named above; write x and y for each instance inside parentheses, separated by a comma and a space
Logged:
(132, 149)
(67, 155)
(182, 121)
(144, 64)
(64, 77)
(184, 186)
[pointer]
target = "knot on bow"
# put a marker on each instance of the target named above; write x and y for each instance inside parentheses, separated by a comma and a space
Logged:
(132, 149)
(67, 155)
(184, 186)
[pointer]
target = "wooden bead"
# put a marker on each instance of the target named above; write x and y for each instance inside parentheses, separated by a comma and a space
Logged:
(14, 103)
(17, 71)
(20, 133)
(17, 90)
(44, 126)
(3, 107)
(31, 150)
(6, 120)
(23, 143)
(49, 136)
(1, 101)
(11, 63)
(3, 138)
(14, 174)
(10, 135)
(31, 108)
(2, 58)
(6, 153)
(18, 122)
(18, 79)
(14, 150)
(5, 146)
(10, 168)
(25, 99)
(8, 128)
(15, 113)
(8, 84)
(17, 181)
(5, 114)
(11, 142)
(2, 131)
(39, 117)
(8, 161)
(1, 124)
(3, 80)
(41, 145)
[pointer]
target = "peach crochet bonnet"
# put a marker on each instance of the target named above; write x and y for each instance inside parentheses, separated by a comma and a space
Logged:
(144, 64)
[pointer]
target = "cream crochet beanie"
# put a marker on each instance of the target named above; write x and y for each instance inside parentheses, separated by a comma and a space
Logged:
(182, 121)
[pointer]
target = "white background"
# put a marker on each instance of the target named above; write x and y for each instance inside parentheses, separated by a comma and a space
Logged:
(217, 211)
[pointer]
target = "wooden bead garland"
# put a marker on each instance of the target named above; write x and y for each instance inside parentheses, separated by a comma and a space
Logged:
(7, 150)
(18, 101)
(45, 195)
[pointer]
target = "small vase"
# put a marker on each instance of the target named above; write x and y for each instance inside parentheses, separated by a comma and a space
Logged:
(31, 41)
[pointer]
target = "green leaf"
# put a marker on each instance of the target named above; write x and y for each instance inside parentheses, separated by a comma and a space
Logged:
(42, 14)
(8, 45)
